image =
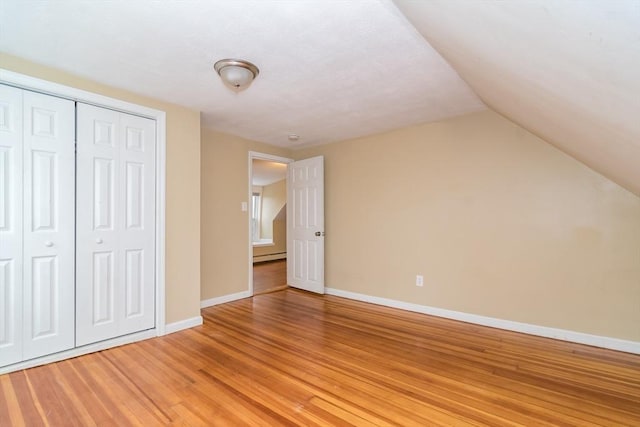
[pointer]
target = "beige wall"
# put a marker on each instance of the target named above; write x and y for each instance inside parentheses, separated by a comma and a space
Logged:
(274, 197)
(183, 186)
(225, 228)
(499, 222)
(279, 245)
(280, 235)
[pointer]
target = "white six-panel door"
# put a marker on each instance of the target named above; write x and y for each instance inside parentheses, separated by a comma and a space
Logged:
(11, 171)
(49, 221)
(36, 224)
(305, 224)
(115, 290)
(44, 307)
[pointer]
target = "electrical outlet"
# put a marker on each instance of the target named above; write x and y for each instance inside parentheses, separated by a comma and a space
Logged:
(419, 280)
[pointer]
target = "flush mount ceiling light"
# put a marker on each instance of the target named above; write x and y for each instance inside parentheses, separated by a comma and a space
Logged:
(236, 73)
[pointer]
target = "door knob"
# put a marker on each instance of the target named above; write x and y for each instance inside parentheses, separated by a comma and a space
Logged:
(48, 243)
(98, 240)
(318, 233)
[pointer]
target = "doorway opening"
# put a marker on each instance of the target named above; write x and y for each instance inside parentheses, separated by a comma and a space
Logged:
(267, 223)
(269, 276)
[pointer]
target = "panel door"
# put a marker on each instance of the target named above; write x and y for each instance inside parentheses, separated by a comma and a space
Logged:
(305, 224)
(49, 222)
(11, 258)
(137, 239)
(115, 224)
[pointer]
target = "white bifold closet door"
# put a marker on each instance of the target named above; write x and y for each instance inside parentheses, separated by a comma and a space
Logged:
(36, 225)
(115, 283)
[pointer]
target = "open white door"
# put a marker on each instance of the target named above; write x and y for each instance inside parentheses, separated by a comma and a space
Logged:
(305, 224)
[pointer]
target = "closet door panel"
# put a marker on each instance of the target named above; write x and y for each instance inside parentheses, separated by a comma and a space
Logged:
(49, 222)
(116, 224)
(11, 224)
(98, 193)
(137, 157)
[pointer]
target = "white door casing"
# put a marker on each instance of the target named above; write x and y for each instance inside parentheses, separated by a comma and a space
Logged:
(11, 223)
(305, 224)
(115, 224)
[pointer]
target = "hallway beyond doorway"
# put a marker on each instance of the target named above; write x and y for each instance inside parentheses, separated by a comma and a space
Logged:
(269, 276)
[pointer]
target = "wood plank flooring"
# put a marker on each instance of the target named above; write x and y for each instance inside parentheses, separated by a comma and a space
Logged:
(293, 358)
(269, 276)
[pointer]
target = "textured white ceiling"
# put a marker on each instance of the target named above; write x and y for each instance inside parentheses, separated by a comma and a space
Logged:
(329, 70)
(568, 71)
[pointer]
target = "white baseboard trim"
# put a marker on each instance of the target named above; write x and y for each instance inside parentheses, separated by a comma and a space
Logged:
(224, 298)
(269, 257)
(542, 331)
(182, 324)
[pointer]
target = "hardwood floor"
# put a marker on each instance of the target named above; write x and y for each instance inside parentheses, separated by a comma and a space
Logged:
(269, 276)
(293, 358)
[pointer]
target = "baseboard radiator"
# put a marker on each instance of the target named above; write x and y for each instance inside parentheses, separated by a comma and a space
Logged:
(269, 257)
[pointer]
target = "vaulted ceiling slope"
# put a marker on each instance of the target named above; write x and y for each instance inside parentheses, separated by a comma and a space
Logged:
(329, 70)
(568, 71)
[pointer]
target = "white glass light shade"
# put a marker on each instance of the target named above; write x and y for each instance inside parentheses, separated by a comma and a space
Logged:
(236, 73)
(235, 76)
